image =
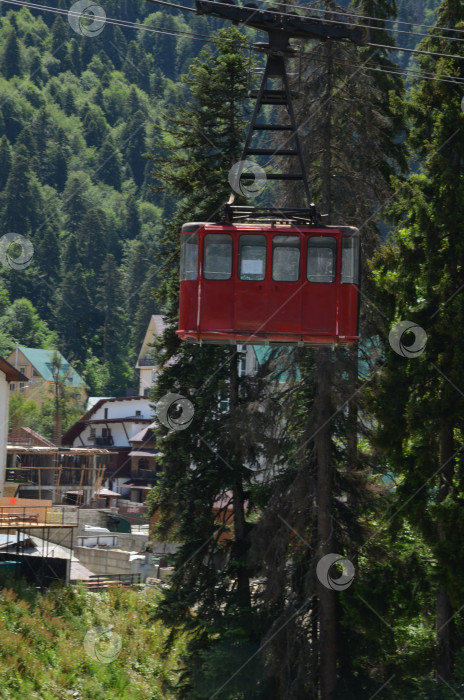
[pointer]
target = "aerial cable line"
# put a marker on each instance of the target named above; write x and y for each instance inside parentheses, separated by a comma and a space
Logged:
(374, 19)
(383, 46)
(174, 32)
(407, 73)
(418, 51)
(120, 23)
(207, 39)
(279, 13)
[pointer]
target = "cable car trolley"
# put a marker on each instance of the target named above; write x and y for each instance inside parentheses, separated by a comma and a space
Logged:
(269, 284)
(273, 276)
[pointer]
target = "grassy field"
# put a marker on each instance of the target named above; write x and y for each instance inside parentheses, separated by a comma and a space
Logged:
(69, 643)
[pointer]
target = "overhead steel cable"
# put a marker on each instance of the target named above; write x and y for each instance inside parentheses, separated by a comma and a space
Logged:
(207, 39)
(418, 51)
(125, 24)
(338, 21)
(342, 11)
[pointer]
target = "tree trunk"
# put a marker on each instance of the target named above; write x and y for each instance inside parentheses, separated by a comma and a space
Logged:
(240, 528)
(444, 625)
(326, 160)
(326, 607)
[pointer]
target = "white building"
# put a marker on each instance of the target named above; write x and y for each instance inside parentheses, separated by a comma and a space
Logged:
(110, 424)
(145, 362)
(8, 374)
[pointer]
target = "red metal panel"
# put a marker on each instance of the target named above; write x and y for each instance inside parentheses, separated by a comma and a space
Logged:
(188, 305)
(348, 311)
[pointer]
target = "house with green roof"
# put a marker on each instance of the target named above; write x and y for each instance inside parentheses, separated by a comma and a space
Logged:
(37, 365)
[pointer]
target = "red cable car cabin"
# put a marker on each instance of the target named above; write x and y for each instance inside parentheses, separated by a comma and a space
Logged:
(269, 284)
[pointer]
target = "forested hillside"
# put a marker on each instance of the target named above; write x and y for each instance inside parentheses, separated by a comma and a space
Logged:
(77, 117)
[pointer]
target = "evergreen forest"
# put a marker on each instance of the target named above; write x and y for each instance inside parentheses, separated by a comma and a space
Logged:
(348, 456)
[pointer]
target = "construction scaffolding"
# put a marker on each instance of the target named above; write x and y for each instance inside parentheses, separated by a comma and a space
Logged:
(70, 475)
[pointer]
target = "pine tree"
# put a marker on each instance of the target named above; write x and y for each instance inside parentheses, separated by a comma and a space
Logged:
(60, 35)
(76, 318)
(109, 303)
(22, 196)
(349, 163)
(109, 168)
(419, 275)
(197, 471)
(133, 139)
(133, 225)
(6, 160)
(12, 63)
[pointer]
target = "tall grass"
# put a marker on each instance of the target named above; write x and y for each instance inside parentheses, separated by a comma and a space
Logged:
(42, 653)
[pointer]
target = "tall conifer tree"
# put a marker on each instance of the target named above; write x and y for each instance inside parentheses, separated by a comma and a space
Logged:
(419, 275)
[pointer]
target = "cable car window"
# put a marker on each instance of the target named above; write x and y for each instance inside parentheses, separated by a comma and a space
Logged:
(252, 257)
(350, 260)
(285, 258)
(189, 256)
(217, 263)
(321, 259)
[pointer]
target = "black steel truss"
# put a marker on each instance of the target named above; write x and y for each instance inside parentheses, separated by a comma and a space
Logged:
(280, 27)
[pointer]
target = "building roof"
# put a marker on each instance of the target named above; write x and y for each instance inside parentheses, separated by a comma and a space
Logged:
(92, 400)
(42, 361)
(27, 436)
(76, 429)
(145, 435)
(11, 373)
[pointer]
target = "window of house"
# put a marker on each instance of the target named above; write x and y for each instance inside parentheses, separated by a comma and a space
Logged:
(106, 412)
(35, 373)
(321, 259)
(12, 387)
(21, 386)
(217, 263)
(22, 370)
(252, 257)
(145, 392)
(285, 258)
(106, 432)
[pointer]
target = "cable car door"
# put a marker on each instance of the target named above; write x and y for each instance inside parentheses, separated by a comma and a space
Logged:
(217, 284)
(320, 290)
(251, 302)
(285, 296)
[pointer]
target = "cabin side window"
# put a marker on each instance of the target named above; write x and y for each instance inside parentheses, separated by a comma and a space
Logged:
(189, 256)
(217, 262)
(285, 258)
(350, 260)
(252, 257)
(321, 259)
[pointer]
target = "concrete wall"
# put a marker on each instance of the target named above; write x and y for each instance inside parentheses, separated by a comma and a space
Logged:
(110, 562)
(103, 561)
